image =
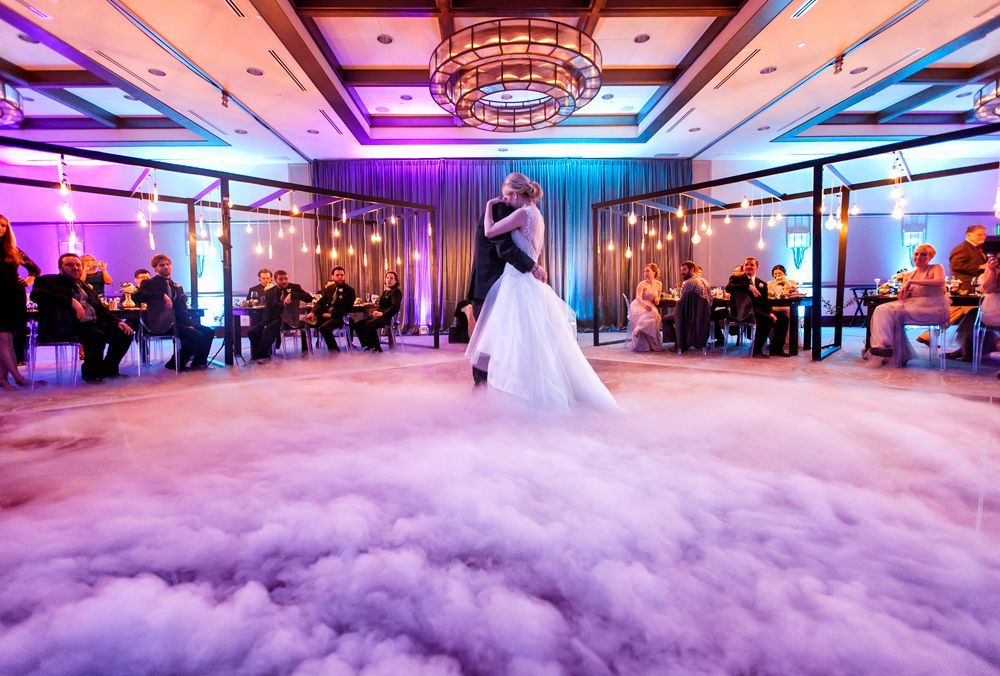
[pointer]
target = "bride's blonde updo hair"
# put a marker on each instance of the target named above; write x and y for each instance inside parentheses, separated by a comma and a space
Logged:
(522, 185)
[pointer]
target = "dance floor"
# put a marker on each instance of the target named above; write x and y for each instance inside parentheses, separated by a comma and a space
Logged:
(354, 513)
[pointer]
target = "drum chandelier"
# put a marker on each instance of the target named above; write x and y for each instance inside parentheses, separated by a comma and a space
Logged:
(514, 75)
(986, 104)
(11, 107)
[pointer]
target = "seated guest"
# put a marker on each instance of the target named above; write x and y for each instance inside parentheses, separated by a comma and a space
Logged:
(990, 304)
(781, 285)
(923, 299)
(643, 315)
(388, 306)
(264, 282)
(167, 313)
(69, 310)
(13, 304)
(281, 311)
(331, 308)
(95, 273)
(768, 323)
(689, 325)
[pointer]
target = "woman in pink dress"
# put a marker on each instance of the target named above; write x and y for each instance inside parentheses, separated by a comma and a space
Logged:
(643, 317)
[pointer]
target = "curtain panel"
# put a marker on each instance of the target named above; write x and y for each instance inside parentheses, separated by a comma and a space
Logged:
(459, 188)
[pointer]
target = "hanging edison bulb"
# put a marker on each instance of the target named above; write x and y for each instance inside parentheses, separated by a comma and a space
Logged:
(684, 227)
(727, 220)
(751, 223)
(152, 206)
(632, 218)
(642, 245)
(364, 259)
(270, 251)
(855, 209)
(343, 214)
(152, 242)
(336, 231)
(72, 240)
(670, 235)
(318, 249)
(745, 203)
(659, 245)
(628, 252)
(333, 254)
(350, 249)
(652, 232)
(695, 238)
(772, 221)
(611, 245)
(305, 249)
(779, 215)
(897, 211)
(645, 229)
(392, 218)
(291, 228)
(143, 223)
(259, 249)
(156, 193)
(760, 243)
(399, 261)
(703, 226)
(249, 229)
(63, 188)
(680, 212)
(67, 212)
(709, 231)
(832, 223)
(416, 255)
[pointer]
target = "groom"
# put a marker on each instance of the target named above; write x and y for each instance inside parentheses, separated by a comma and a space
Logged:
(490, 257)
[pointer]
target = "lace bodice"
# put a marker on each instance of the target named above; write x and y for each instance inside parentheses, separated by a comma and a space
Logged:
(529, 237)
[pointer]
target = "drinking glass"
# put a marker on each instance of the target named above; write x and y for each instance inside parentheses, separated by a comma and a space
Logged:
(878, 280)
(253, 297)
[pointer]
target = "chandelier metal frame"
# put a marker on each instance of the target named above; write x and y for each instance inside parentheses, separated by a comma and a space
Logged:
(11, 105)
(986, 104)
(474, 66)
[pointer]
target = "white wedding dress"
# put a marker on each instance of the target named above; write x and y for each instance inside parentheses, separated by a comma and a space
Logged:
(526, 337)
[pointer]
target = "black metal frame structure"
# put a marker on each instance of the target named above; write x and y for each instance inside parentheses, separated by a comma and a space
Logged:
(817, 166)
(226, 179)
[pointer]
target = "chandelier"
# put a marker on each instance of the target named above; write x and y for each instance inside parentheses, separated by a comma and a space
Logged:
(513, 75)
(986, 104)
(11, 108)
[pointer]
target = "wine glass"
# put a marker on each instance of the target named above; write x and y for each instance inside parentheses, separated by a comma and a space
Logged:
(253, 298)
(878, 280)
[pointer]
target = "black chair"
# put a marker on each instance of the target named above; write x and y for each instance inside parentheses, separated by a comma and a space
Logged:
(739, 313)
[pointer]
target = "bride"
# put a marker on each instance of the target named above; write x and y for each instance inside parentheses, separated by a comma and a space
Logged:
(526, 334)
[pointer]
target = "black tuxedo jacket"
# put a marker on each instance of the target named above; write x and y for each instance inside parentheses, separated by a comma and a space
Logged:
(964, 262)
(741, 284)
(389, 302)
(337, 300)
(160, 320)
(492, 254)
(57, 320)
(274, 301)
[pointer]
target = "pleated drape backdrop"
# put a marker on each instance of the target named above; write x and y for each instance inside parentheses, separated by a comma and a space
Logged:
(460, 188)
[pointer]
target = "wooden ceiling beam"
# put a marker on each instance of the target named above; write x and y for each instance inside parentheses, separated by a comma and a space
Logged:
(588, 23)
(418, 77)
(446, 23)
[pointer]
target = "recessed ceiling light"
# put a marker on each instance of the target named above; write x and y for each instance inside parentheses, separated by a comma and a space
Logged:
(241, 132)
(157, 72)
(312, 131)
(27, 38)
(768, 70)
(963, 95)
(801, 45)
(858, 71)
(385, 39)
(506, 97)
(502, 150)
(256, 72)
(382, 109)
(608, 97)
(405, 97)
(130, 97)
(764, 128)
(693, 129)
(628, 109)
(639, 39)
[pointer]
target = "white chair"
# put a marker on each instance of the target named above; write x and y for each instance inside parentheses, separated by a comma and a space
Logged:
(979, 331)
(394, 337)
(937, 340)
(298, 335)
(65, 351)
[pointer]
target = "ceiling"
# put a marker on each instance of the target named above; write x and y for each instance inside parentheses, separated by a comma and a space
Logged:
(222, 82)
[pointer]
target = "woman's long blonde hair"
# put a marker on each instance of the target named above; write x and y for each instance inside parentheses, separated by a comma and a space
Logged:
(522, 185)
(8, 243)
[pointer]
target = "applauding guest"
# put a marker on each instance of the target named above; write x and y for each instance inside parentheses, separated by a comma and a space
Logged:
(168, 313)
(388, 306)
(95, 273)
(768, 323)
(281, 309)
(329, 312)
(69, 310)
(13, 311)
(923, 299)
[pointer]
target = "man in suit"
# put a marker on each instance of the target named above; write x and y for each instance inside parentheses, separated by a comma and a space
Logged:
(768, 323)
(281, 309)
(264, 282)
(692, 286)
(69, 309)
(167, 312)
(329, 312)
(967, 261)
(487, 265)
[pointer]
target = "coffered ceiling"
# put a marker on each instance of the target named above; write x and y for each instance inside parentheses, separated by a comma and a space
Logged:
(219, 81)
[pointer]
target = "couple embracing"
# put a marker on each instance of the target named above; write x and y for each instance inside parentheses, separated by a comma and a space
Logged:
(524, 342)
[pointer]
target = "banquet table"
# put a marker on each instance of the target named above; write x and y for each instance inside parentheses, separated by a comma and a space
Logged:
(872, 301)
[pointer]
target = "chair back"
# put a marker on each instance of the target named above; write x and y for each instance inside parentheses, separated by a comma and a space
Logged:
(158, 320)
(740, 307)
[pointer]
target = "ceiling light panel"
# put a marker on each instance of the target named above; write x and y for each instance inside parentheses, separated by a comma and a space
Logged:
(885, 98)
(672, 38)
(27, 55)
(353, 40)
(112, 100)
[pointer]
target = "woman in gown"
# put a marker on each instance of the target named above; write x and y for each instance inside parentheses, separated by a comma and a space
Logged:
(923, 299)
(526, 335)
(643, 316)
(13, 302)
